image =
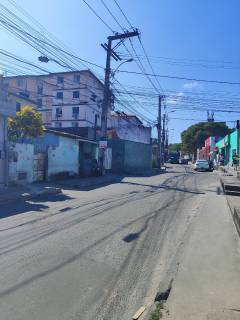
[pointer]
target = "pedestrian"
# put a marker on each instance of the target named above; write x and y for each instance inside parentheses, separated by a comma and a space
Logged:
(235, 162)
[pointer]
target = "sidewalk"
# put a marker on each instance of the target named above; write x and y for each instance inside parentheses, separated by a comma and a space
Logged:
(231, 186)
(207, 285)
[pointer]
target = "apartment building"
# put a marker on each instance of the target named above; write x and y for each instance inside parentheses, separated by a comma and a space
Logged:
(65, 99)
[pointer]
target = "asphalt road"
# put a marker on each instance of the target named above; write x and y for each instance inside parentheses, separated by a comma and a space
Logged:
(96, 254)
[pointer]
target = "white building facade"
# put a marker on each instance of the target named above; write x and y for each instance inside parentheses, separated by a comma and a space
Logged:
(129, 127)
(65, 99)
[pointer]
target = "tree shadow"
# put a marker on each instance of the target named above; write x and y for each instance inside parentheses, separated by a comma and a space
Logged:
(35, 204)
(51, 198)
(21, 207)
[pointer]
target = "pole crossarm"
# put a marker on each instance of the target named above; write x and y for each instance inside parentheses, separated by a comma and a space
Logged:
(125, 35)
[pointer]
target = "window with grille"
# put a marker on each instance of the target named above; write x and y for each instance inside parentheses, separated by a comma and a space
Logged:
(39, 102)
(75, 94)
(60, 79)
(58, 112)
(75, 112)
(76, 78)
(60, 95)
(18, 106)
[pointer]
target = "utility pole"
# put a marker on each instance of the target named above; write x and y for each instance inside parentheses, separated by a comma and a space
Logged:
(106, 106)
(166, 141)
(167, 152)
(163, 138)
(159, 129)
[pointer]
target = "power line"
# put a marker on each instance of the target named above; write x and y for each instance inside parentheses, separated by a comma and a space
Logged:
(126, 18)
(97, 15)
(179, 78)
(111, 14)
(139, 63)
(191, 62)
(36, 41)
(144, 50)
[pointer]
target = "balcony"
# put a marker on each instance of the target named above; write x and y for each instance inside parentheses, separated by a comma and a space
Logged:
(58, 115)
(75, 116)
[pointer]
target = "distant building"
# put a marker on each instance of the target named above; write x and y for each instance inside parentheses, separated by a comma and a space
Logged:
(65, 99)
(208, 151)
(128, 127)
(229, 146)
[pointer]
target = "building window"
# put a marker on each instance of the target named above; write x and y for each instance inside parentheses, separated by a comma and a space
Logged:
(58, 112)
(18, 106)
(75, 112)
(24, 94)
(39, 102)
(6, 84)
(60, 79)
(75, 124)
(76, 78)
(75, 94)
(99, 104)
(40, 90)
(93, 97)
(58, 124)
(60, 95)
(19, 82)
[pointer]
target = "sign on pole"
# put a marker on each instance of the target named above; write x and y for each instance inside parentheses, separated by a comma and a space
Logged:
(103, 144)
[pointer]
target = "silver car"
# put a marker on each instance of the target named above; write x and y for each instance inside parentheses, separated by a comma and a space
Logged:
(201, 165)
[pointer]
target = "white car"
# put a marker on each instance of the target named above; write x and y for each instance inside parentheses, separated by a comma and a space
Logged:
(201, 165)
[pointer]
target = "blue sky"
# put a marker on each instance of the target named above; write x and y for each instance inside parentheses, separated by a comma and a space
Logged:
(204, 32)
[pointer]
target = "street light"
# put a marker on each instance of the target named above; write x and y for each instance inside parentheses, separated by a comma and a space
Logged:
(114, 72)
(45, 59)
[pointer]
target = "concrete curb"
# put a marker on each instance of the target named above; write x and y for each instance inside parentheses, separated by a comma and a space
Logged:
(235, 215)
(29, 196)
(234, 210)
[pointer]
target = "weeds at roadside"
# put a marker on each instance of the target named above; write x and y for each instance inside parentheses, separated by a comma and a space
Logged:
(157, 313)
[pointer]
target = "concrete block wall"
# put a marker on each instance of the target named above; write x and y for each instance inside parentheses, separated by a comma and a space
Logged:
(138, 157)
(130, 157)
(64, 158)
(21, 163)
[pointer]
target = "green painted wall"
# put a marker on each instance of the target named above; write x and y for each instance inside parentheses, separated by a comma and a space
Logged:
(130, 157)
(234, 136)
(229, 144)
(118, 153)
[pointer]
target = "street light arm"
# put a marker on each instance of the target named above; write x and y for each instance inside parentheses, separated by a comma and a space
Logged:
(114, 72)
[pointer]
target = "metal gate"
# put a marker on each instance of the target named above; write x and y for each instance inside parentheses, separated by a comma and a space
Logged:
(40, 166)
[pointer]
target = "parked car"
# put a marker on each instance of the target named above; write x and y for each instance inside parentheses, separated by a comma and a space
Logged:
(183, 161)
(202, 165)
(173, 160)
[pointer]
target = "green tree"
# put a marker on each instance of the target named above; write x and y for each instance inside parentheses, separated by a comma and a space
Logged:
(26, 124)
(194, 137)
(175, 147)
